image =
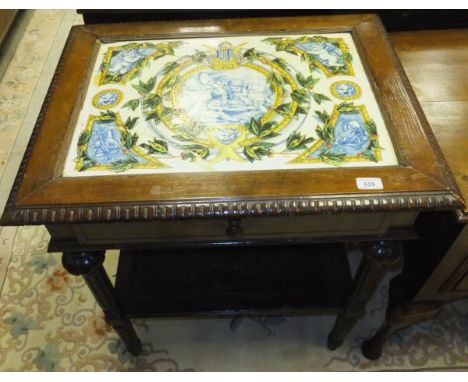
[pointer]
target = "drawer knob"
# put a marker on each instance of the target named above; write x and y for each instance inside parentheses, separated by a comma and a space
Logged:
(234, 228)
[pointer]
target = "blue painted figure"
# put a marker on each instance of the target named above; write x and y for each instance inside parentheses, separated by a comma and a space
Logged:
(125, 60)
(104, 143)
(326, 53)
(107, 99)
(345, 89)
(234, 97)
(350, 136)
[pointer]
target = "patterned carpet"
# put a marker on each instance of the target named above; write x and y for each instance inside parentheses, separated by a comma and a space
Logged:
(49, 320)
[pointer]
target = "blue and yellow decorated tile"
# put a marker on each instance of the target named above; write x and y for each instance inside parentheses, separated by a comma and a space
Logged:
(346, 90)
(107, 99)
(234, 103)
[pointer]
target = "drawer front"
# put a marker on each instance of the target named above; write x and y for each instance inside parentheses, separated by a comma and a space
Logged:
(248, 228)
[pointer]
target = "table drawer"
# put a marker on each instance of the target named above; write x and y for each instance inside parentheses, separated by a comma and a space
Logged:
(247, 228)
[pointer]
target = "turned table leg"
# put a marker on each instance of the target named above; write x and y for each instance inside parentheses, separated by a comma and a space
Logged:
(89, 265)
(378, 258)
(398, 316)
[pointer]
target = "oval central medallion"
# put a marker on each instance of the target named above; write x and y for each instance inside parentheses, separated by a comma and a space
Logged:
(233, 97)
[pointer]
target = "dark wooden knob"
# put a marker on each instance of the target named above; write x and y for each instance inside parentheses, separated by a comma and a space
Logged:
(234, 228)
(82, 263)
(385, 252)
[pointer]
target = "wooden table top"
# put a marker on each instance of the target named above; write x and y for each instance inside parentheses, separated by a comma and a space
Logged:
(41, 195)
(436, 63)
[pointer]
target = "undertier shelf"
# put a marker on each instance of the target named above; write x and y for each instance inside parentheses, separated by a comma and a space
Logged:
(313, 279)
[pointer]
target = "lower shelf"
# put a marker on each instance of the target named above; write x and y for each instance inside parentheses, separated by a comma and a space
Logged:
(234, 281)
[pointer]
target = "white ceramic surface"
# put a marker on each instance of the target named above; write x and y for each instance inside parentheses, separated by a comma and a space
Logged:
(228, 104)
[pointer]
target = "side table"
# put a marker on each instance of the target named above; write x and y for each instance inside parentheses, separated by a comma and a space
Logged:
(217, 146)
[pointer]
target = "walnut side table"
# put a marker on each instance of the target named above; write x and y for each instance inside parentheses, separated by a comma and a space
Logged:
(265, 143)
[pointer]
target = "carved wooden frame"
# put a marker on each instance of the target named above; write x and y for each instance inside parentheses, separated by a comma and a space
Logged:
(40, 195)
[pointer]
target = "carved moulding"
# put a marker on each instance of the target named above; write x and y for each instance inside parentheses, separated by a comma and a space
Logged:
(262, 207)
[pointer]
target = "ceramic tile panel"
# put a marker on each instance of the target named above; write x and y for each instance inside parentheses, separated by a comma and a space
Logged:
(240, 103)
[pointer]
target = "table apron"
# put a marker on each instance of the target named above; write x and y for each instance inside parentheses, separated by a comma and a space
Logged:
(298, 227)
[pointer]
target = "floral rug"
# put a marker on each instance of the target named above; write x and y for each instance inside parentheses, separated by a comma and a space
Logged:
(50, 322)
